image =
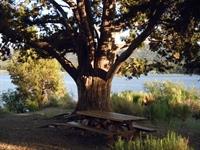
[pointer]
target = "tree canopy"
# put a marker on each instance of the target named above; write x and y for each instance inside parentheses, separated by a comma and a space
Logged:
(87, 29)
(38, 81)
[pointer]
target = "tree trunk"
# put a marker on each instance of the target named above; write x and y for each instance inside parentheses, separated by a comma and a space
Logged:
(93, 94)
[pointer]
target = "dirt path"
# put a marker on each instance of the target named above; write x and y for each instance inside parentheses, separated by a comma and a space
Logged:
(21, 132)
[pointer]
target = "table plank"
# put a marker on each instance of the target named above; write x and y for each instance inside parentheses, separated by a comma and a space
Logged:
(93, 129)
(110, 116)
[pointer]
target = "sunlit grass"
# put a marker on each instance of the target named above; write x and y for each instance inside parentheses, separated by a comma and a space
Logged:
(162, 101)
(5, 146)
(171, 141)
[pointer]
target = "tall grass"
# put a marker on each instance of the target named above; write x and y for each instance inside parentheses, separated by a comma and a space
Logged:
(173, 92)
(128, 103)
(162, 101)
(171, 100)
(171, 142)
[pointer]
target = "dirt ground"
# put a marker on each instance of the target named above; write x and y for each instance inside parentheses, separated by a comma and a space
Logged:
(23, 132)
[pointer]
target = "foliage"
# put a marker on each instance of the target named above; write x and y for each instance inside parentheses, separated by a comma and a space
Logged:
(171, 142)
(163, 101)
(29, 19)
(173, 92)
(65, 102)
(127, 103)
(3, 111)
(171, 100)
(87, 32)
(179, 42)
(37, 80)
(14, 102)
(134, 67)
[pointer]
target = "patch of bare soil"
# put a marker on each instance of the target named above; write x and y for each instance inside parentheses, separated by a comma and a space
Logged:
(23, 132)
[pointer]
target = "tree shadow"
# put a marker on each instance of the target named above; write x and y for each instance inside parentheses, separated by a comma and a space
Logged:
(24, 131)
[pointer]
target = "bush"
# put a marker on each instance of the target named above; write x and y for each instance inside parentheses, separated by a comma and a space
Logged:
(163, 101)
(171, 100)
(172, 92)
(159, 110)
(13, 102)
(171, 142)
(65, 102)
(2, 111)
(127, 103)
(37, 81)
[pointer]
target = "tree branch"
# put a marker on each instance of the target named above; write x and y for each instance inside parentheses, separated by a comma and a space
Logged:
(137, 41)
(107, 17)
(86, 29)
(44, 20)
(133, 10)
(66, 64)
(63, 13)
(106, 40)
(74, 9)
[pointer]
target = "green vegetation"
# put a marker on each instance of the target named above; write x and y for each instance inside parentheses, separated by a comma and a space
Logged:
(2, 111)
(162, 101)
(128, 103)
(39, 84)
(15, 102)
(170, 107)
(172, 33)
(171, 142)
(172, 100)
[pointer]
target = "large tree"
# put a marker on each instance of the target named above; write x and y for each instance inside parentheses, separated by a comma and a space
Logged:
(85, 29)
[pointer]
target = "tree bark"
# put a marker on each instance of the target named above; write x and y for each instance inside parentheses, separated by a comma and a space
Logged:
(93, 94)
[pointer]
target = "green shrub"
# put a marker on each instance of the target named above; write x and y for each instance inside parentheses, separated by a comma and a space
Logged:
(37, 79)
(171, 142)
(66, 102)
(127, 103)
(171, 100)
(31, 105)
(172, 92)
(13, 101)
(159, 110)
(163, 101)
(3, 111)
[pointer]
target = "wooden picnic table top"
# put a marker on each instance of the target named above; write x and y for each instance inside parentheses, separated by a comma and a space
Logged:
(110, 116)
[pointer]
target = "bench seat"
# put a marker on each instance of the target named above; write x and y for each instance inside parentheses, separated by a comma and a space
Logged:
(106, 132)
(93, 129)
(142, 128)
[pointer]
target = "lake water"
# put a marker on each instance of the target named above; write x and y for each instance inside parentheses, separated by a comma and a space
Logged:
(119, 83)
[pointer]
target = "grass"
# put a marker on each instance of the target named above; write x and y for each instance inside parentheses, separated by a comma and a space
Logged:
(162, 101)
(52, 111)
(127, 103)
(8, 146)
(170, 107)
(171, 141)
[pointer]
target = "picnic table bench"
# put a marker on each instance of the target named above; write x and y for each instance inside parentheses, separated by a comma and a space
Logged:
(108, 123)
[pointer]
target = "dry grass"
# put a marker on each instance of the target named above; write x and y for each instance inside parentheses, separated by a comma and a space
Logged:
(5, 146)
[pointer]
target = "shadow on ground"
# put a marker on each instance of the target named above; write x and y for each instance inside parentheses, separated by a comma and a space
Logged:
(21, 131)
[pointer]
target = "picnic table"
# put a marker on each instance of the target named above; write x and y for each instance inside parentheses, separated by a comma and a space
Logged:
(108, 123)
